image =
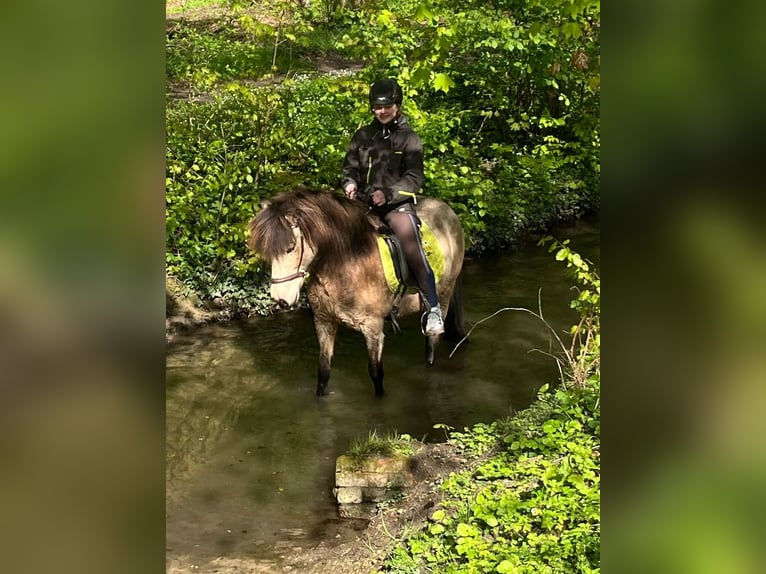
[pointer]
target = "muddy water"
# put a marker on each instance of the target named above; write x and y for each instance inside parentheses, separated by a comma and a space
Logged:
(251, 451)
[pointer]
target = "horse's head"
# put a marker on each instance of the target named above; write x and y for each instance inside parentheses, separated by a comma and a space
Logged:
(288, 269)
(304, 229)
(278, 237)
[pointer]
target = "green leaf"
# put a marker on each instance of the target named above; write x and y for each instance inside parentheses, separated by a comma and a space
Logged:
(421, 76)
(423, 12)
(571, 30)
(442, 82)
(385, 17)
(436, 528)
(506, 567)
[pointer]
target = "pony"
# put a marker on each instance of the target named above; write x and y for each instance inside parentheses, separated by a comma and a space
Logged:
(329, 243)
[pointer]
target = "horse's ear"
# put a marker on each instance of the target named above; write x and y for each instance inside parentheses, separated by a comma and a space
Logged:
(265, 203)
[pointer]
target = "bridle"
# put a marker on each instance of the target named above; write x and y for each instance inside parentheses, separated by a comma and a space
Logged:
(298, 274)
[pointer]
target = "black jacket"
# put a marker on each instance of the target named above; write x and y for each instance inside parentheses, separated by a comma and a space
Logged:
(389, 158)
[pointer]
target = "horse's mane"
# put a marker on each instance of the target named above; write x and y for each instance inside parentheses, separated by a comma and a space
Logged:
(336, 227)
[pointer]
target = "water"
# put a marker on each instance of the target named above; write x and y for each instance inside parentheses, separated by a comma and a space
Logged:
(251, 451)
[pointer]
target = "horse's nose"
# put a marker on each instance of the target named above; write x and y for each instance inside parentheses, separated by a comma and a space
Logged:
(282, 304)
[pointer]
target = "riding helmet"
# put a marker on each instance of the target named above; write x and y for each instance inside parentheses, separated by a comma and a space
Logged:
(385, 92)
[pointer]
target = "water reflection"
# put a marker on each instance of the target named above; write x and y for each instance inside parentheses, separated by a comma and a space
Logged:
(251, 451)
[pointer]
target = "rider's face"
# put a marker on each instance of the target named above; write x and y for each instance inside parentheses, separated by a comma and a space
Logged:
(385, 113)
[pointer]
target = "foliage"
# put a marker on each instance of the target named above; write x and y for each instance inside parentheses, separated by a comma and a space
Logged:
(374, 444)
(583, 355)
(204, 57)
(505, 96)
(226, 155)
(531, 501)
(189, 5)
(511, 91)
(481, 438)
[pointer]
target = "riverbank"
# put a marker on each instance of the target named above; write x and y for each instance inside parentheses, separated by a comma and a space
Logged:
(521, 494)
(389, 524)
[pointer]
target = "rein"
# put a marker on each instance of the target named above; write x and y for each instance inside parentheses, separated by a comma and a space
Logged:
(297, 275)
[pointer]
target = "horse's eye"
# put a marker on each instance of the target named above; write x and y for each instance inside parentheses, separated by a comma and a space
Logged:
(292, 248)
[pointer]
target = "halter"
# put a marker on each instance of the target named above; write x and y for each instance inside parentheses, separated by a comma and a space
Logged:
(298, 274)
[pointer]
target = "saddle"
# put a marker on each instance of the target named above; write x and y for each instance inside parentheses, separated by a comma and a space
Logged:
(395, 265)
(395, 268)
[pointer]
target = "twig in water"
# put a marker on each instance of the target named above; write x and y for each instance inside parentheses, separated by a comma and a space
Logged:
(539, 315)
(468, 334)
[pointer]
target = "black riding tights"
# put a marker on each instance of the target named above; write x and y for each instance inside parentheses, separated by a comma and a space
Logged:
(405, 227)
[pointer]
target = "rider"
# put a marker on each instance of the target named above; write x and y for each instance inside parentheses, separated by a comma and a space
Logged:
(384, 168)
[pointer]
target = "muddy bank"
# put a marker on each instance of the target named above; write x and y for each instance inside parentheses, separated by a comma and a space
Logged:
(390, 522)
(184, 312)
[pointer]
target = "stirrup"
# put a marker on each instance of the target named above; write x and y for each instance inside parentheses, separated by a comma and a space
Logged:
(431, 323)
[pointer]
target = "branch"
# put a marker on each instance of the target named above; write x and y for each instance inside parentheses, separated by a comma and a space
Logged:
(468, 334)
(539, 315)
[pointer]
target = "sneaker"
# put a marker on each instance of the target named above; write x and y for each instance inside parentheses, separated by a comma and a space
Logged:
(434, 324)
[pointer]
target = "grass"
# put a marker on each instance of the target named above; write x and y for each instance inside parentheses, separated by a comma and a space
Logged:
(180, 7)
(391, 444)
(224, 56)
(205, 52)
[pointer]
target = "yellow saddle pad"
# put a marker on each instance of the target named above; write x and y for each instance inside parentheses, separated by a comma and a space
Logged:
(431, 248)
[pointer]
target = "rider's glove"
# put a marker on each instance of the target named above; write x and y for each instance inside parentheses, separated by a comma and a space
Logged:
(378, 198)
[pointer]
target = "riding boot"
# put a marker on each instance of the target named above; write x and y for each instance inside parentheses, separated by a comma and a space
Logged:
(434, 323)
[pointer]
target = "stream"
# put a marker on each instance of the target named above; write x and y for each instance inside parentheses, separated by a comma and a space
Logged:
(250, 451)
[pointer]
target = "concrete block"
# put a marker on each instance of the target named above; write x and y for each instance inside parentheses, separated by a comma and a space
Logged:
(349, 478)
(349, 495)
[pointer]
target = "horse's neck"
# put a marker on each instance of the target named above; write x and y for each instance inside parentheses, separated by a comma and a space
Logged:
(353, 270)
(358, 279)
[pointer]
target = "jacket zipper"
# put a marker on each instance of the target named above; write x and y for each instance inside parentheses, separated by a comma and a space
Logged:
(369, 169)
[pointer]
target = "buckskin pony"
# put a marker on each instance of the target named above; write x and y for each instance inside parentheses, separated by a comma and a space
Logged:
(329, 243)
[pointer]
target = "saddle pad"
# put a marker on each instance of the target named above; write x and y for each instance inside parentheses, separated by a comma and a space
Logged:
(431, 248)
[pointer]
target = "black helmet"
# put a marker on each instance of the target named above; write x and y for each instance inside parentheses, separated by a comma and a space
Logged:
(385, 93)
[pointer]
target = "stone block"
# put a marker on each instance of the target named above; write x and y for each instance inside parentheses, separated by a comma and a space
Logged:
(374, 478)
(347, 463)
(349, 478)
(349, 495)
(386, 464)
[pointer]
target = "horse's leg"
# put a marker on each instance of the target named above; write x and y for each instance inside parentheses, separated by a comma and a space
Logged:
(430, 348)
(374, 339)
(454, 318)
(326, 332)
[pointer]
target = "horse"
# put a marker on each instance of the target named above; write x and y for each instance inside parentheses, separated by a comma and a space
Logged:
(329, 243)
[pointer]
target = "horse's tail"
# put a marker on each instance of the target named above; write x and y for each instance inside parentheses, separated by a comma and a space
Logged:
(454, 323)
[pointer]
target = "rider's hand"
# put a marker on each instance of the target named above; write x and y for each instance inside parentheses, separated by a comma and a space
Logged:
(350, 190)
(378, 198)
